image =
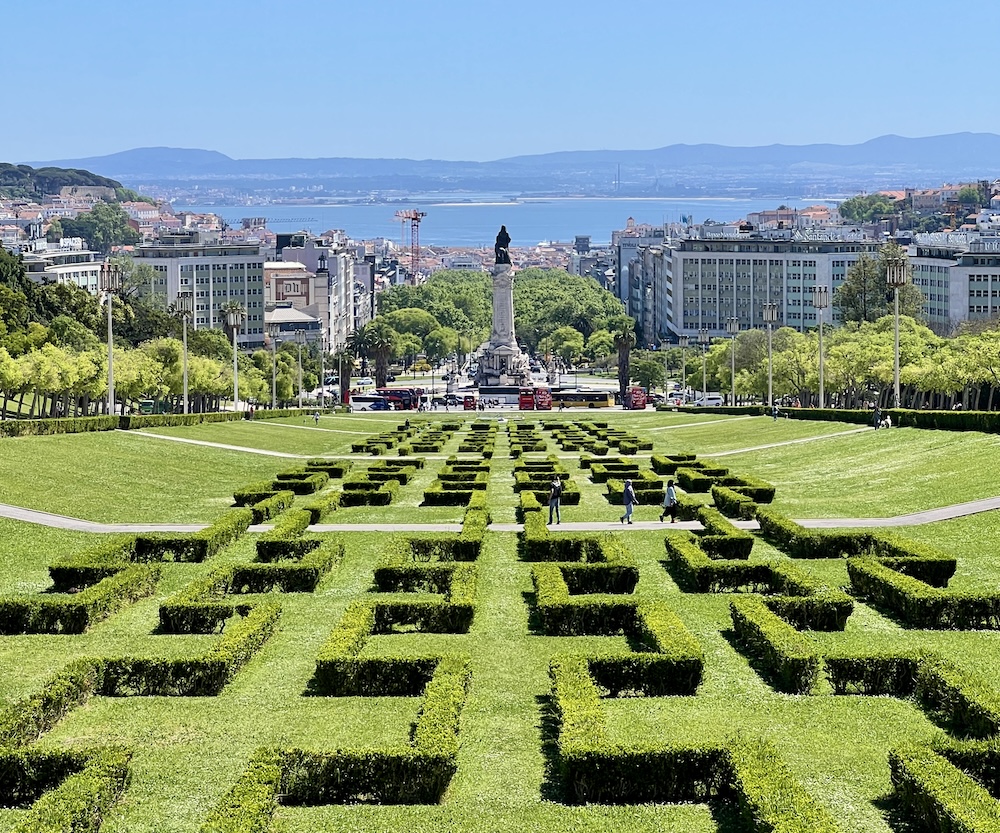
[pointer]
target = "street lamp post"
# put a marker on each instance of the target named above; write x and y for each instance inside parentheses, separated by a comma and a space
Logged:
(111, 282)
(300, 339)
(682, 341)
(896, 278)
(821, 300)
(703, 341)
(770, 311)
(272, 331)
(732, 328)
(322, 371)
(235, 316)
(185, 307)
(663, 347)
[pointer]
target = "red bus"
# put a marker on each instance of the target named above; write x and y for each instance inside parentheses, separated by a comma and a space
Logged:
(534, 399)
(401, 399)
(635, 398)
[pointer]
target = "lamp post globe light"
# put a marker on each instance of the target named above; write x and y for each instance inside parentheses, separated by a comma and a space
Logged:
(185, 307)
(770, 313)
(733, 328)
(300, 339)
(682, 342)
(821, 300)
(703, 340)
(896, 278)
(111, 282)
(235, 316)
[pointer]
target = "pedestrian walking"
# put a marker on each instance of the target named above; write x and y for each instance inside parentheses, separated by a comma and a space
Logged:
(774, 411)
(670, 503)
(877, 417)
(555, 495)
(629, 497)
(316, 417)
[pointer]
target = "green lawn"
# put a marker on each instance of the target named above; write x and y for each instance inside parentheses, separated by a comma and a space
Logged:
(189, 751)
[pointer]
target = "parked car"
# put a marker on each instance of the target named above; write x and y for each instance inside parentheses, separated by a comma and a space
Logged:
(711, 400)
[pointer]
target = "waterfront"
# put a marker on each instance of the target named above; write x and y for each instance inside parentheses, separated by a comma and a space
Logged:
(476, 223)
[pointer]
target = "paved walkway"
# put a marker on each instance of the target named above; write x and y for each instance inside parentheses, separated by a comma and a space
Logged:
(943, 513)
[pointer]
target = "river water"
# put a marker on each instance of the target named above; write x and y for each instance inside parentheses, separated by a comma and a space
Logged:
(475, 223)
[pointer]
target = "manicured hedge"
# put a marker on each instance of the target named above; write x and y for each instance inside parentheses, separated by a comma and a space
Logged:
(321, 506)
(198, 546)
(720, 538)
(693, 480)
(251, 802)
(939, 794)
(26, 720)
(272, 506)
(784, 656)
(306, 484)
(68, 425)
(367, 496)
(334, 469)
(733, 504)
(93, 564)
(81, 802)
(76, 612)
(920, 605)
(282, 540)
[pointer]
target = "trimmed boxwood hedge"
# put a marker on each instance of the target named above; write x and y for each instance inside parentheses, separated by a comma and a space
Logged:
(197, 546)
(784, 656)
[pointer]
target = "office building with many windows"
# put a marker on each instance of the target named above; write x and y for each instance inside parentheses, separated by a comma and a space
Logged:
(217, 274)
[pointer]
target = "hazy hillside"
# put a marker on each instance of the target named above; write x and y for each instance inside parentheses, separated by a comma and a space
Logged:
(25, 182)
(675, 169)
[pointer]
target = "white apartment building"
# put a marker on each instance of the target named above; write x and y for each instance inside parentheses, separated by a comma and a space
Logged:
(698, 282)
(65, 262)
(959, 274)
(625, 244)
(332, 262)
(217, 273)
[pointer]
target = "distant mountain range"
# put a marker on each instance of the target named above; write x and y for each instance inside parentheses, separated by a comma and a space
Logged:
(675, 170)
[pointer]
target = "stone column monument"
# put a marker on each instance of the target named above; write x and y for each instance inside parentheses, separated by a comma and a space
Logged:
(502, 362)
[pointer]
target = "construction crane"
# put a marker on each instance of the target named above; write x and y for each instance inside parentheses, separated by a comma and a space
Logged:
(414, 217)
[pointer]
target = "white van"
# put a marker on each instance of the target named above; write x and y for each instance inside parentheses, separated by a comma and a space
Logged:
(710, 400)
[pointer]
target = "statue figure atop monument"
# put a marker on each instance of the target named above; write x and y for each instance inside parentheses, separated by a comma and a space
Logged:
(502, 246)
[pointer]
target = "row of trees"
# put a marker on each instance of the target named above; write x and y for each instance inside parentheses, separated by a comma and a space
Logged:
(935, 372)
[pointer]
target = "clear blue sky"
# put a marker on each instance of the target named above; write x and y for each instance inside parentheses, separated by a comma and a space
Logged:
(462, 79)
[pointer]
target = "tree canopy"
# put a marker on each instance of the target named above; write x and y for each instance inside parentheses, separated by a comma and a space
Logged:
(865, 208)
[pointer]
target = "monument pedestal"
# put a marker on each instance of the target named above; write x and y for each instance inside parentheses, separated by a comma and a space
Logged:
(501, 361)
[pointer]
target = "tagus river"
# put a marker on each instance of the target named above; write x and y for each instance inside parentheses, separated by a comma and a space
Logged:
(475, 223)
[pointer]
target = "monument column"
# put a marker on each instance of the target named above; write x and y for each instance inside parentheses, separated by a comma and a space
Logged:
(503, 305)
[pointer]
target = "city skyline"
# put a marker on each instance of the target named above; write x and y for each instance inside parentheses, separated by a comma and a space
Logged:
(460, 81)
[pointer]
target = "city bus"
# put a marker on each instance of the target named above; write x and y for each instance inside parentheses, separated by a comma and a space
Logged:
(537, 399)
(582, 399)
(402, 399)
(499, 395)
(635, 398)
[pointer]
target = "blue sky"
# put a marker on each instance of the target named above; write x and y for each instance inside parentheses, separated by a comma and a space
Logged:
(461, 79)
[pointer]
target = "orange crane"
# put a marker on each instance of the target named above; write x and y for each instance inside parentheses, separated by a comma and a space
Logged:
(414, 217)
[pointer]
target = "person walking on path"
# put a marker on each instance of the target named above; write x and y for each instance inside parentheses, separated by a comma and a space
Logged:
(629, 496)
(669, 503)
(555, 494)
(877, 417)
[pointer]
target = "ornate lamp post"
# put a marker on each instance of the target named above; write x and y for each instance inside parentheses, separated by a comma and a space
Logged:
(322, 371)
(235, 316)
(272, 331)
(896, 278)
(111, 282)
(770, 312)
(732, 328)
(682, 342)
(185, 307)
(821, 300)
(703, 340)
(300, 339)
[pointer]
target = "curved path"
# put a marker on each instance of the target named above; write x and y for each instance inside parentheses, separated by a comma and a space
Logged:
(942, 513)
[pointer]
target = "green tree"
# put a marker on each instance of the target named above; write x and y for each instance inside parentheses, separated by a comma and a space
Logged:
(866, 296)
(567, 343)
(440, 343)
(648, 372)
(600, 345)
(103, 227)
(867, 207)
(970, 195)
(418, 322)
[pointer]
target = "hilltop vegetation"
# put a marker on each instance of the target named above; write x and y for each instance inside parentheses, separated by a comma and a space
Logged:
(26, 183)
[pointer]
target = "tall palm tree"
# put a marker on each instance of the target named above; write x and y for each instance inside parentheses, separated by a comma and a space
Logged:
(623, 329)
(359, 346)
(382, 343)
